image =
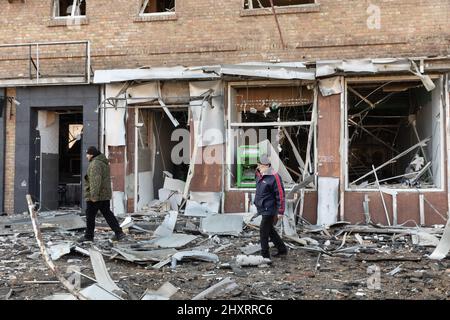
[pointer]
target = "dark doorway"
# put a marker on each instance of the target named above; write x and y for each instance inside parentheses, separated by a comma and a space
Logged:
(60, 140)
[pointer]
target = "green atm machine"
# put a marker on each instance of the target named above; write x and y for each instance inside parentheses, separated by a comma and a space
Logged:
(247, 158)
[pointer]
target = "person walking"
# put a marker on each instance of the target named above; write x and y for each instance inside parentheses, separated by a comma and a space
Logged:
(269, 202)
(97, 193)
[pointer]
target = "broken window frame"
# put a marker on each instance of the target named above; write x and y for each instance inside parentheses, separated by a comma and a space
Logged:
(144, 4)
(248, 5)
(75, 4)
(345, 147)
(231, 126)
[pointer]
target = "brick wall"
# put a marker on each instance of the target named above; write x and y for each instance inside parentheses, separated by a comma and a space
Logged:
(207, 31)
(10, 116)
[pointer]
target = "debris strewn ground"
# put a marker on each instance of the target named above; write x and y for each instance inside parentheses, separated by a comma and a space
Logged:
(340, 261)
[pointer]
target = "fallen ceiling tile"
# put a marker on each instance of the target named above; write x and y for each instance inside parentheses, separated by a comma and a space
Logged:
(175, 240)
(222, 224)
(144, 256)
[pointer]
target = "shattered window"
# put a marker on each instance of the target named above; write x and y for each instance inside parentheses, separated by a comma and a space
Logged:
(256, 4)
(69, 8)
(75, 132)
(394, 135)
(275, 120)
(157, 6)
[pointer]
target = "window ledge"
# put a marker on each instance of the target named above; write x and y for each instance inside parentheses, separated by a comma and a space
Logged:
(67, 21)
(304, 8)
(148, 17)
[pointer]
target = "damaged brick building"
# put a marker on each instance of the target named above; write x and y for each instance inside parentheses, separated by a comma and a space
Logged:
(350, 99)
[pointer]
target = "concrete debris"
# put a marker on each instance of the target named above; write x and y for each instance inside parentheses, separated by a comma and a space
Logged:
(218, 290)
(194, 254)
(34, 256)
(251, 261)
(222, 224)
(334, 252)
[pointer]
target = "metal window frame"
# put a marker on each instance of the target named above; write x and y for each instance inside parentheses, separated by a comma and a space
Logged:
(443, 112)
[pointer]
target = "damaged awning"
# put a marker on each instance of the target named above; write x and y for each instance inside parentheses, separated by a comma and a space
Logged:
(151, 74)
(290, 71)
(285, 70)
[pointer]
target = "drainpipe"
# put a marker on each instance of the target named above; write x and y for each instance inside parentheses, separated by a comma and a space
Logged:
(2, 149)
(136, 157)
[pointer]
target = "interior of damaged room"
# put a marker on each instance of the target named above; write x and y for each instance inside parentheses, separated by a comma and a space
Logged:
(395, 135)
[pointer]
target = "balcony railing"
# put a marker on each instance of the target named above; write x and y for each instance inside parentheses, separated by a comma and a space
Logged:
(49, 63)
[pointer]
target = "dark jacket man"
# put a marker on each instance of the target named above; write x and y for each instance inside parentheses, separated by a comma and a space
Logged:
(97, 192)
(97, 181)
(269, 201)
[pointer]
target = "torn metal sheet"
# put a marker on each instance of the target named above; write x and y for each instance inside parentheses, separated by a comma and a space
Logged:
(211, 199)
(48, 127)
(175, 240)
(115, 117)
(163, 293)
(223, 224)
(66, 222)
(145, 92)
(443, 247)
(174, 185)
(173, 197)
(331, 67)
(101, 274)
(166, 228)
(294, 70)
(288, 220)
(118, 203)
(127, 222)
(96, 292)
(211, 129)
(330, 86)
(59, 250)
(266, 147)
(217, 290)
(144, 256)
(171, 73)
(193, 254)
(196, 209)
(145, 187)
(251, 261)
(328, 200)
